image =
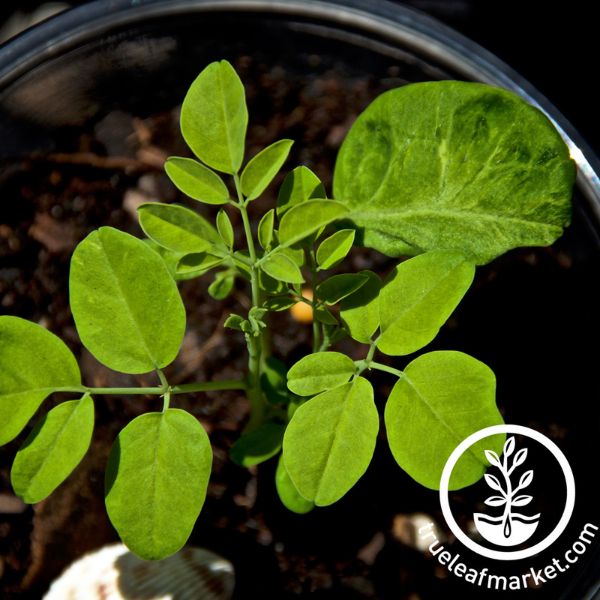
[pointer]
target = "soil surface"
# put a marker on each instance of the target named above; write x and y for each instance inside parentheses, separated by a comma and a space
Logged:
(525, 317)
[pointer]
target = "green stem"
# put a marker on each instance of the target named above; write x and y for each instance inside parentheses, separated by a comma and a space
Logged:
(316, 326)
(379, 367)
(257, 345)
(188, 388)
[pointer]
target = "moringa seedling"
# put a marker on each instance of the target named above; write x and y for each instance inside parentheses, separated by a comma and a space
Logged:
(451, 174)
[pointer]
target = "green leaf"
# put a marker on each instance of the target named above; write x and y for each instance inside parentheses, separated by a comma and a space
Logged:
(360, 310)
(222, 285)
(53, 449)
(126, 306)
(442, 399)
(335, 248)
(196, 181)
(455, 166)
(299, 185)
(156, 481)
(330, 441)
(270, 285)
(279, 303)
(33, 362)
(214, 118)
(337, 287)
(265, 229)
(261, 170)
(234, 321)
(288, 494)
(281, 267)
(177, 228)
(307, 217)
(295, 254)
(273, 381)
(225, 228)
(197, 264)
(320, 371)
(258, 446)
(324, 316)
(418, 298)
(170, 258)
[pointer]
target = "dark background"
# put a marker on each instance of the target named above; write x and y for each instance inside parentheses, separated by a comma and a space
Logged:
(552, 44)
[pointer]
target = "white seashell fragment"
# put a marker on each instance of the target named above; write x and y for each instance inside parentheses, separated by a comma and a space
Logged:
(114, 573)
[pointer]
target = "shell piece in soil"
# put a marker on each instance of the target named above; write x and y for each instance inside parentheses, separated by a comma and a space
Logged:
(114, 573)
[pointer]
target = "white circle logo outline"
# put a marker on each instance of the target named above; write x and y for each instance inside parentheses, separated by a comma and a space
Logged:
(511, 554)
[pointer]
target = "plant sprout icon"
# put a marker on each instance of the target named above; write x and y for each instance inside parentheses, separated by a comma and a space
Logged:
(510, 528)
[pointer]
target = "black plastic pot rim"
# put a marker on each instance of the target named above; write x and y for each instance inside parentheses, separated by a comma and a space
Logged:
(386, 21)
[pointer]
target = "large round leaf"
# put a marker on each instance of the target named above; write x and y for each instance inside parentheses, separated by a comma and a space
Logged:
(33, 362)
(53, 449)
(330, 441)
(454, 165)
(156, 481)
(126, 306)
(442, 399)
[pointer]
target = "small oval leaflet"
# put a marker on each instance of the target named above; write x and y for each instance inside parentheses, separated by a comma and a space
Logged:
(178, 228)
(261, 170)
(456, 166)
(196, 181)
(418, 298)
(158, 467)
(330, 441)
(281, 267)
(53, 449)
(318, 372)
(24, 383)
(360, 310)
(299, 185)
(126, 305)
(307, 217)
(214, 117)
(288, 494)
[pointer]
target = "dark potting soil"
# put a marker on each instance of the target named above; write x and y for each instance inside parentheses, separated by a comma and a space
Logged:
(526, 316)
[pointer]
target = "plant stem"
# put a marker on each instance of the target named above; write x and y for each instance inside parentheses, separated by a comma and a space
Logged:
(379, 367)
(316, 326)
(257, 345)
(188, 388)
